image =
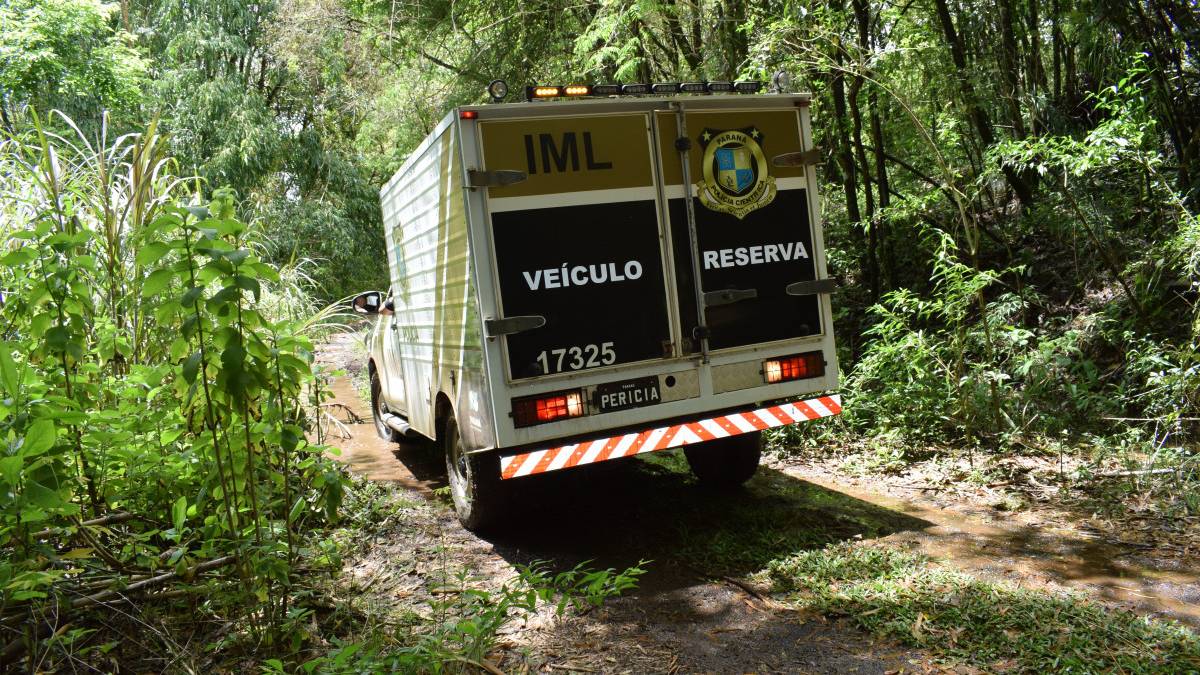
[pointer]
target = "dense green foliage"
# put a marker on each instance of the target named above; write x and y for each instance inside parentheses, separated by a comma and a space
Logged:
(153, 416)
(1009, 191)
(1011, 219)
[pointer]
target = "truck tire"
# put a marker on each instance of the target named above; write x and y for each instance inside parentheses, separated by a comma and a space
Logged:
(378, 408)
(726, 462)
(474, 480)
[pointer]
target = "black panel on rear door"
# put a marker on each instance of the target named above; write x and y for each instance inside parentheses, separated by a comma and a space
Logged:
(595, 273)
(765, 251)
(752, 223)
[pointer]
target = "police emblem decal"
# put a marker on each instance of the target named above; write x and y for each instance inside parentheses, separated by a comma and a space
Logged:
(735, 172)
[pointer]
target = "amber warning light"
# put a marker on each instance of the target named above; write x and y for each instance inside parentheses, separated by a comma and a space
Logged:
(795, 367)
(544, 408)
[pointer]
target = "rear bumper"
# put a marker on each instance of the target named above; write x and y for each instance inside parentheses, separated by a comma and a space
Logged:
(665, 438)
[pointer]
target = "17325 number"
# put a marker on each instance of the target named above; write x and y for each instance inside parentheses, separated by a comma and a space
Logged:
(577, 358)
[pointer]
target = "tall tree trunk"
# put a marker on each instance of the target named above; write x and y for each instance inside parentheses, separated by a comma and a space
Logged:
(1037, 79)
(845, 158)
(879, 236)
(733, 15)
(977, 115)
(860, 153)
(689, 52)
(1056, 37)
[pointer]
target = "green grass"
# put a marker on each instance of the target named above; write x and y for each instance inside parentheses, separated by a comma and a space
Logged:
(995, 626)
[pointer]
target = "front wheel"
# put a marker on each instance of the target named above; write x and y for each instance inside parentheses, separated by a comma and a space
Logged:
(379, 409)
(475, 485)
(726, 462)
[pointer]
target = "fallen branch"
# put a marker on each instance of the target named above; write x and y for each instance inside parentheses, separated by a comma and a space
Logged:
(571, 668)
(351, 416)
(17, 648)
(1150, 419)
(110, 519)
(1134, 472)
(342, 430)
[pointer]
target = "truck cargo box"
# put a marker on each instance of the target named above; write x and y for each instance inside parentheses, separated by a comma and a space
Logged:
(579, 281)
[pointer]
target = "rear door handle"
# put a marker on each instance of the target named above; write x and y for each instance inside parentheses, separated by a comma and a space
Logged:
(728, 296)
(512, 324)
(812, 287)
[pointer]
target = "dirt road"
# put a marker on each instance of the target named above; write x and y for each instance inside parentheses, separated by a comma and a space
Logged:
(694, 610)
(689, 612)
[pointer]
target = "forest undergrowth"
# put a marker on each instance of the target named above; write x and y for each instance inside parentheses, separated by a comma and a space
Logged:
(158, 397)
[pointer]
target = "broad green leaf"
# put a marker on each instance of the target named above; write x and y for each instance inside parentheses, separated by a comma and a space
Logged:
(39, 324)
(57, 338)
(191, 367)
(152, 253)
(249, 284)
(39, 438)
(43, 497)
(179, 513)
(10, 469)
(9, 376)
(156, 282)
(189, 297)
(178, 348)
(19, 257)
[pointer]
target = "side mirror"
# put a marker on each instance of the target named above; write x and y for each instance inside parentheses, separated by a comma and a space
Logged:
(367, 303)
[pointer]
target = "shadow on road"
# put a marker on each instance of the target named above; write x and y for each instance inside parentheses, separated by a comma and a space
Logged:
(619, 513)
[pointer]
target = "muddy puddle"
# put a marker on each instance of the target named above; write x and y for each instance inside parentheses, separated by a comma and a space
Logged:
(348, 428)
(658, 515)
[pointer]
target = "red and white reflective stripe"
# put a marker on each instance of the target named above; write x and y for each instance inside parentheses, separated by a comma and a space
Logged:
(664, 438)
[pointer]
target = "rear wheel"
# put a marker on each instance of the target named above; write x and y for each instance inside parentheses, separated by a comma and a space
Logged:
(726, 462)
(379, 409)
(474, 481)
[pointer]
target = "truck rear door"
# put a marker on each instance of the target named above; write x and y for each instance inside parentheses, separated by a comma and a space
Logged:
(578, 242)
(753, 224)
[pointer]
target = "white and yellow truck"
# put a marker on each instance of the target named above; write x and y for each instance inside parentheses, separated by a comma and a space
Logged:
(599, 274)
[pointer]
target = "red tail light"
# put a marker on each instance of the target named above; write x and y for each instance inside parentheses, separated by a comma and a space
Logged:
(795, 367)
(544, 408)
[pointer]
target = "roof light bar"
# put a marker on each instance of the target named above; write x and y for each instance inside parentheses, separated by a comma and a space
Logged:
(640, 88)
(542, 92)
